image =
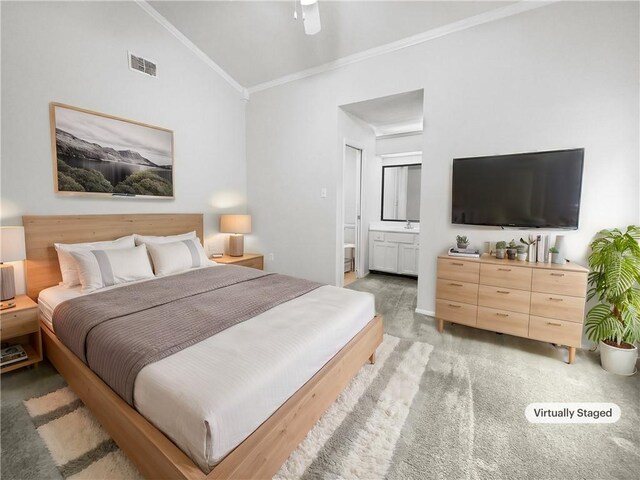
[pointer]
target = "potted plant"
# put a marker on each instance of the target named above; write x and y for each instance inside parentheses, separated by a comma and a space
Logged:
(512, 250)
(555, 255)
(462, 241)
(615, 274)
(501, 248)
(531, 248)
(522, 252)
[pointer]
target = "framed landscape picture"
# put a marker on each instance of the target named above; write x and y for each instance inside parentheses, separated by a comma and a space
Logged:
(99, 154)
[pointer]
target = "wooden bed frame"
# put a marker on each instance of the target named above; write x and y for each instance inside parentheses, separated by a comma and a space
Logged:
(262, 453)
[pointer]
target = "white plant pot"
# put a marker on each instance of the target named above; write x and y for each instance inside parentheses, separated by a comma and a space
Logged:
(621, 361)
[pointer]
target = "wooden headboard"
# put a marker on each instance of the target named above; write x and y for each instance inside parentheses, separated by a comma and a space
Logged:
(41, 232)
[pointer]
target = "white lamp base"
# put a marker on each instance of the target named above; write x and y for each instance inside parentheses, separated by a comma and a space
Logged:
(236, 245)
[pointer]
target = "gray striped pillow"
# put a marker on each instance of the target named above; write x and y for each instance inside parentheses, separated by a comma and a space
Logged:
(103, 268)
(177, 256)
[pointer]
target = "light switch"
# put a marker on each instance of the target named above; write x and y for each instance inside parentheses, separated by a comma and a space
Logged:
(323, 192)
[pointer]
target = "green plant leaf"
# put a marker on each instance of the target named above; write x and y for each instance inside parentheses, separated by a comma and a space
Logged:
(619, 275)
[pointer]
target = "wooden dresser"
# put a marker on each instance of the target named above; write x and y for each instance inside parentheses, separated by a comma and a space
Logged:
(541, 301)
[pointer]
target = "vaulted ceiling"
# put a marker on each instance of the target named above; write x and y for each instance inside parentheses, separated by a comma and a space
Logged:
(256, 42)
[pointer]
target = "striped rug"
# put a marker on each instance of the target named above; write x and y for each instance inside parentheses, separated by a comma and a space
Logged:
(355, 438)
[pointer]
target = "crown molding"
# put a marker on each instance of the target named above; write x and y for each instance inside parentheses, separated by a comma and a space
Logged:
(486, 17)
(157, 16)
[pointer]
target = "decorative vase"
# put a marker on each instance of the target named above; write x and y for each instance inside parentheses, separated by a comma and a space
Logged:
(511, 253)
(522, 256)
(531, 256)
(621, 361)
(561, 247)
(500, 252)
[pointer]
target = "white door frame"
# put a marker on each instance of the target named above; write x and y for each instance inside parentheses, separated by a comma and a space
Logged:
(360, 207)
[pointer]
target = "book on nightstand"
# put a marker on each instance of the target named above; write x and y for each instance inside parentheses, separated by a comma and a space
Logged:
(12, 354)
(464, 252)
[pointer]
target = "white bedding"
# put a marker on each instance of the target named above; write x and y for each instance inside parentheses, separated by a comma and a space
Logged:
(51, 297)
(209, 397)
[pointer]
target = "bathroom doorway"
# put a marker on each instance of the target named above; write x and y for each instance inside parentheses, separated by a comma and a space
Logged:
(352, 213)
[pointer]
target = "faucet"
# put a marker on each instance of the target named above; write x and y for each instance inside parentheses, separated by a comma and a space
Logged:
(408, 226)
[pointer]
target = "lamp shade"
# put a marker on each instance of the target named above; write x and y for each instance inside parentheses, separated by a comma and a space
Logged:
(235, 223)
(12, 247)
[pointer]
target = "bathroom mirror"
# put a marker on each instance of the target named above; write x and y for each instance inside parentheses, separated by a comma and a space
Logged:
(401, 193)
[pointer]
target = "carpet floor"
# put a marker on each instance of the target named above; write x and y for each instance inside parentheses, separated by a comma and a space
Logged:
(461, 415)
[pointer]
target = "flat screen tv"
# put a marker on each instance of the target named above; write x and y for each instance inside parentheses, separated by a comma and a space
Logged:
(531, 190)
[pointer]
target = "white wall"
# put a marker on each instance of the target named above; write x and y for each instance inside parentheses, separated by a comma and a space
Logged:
(399, 143)
(402, 160)
(76, 53)
(565, 75)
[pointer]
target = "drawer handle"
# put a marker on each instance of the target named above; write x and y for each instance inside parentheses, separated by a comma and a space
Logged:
(502, 314)
(556, 299)
(457, 264)
(504, 269)
(557, 274)
(503, 291)
(554, 324)
(456, 284)
(454, 306)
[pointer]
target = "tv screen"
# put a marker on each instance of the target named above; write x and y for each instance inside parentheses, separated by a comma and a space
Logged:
(534, 190)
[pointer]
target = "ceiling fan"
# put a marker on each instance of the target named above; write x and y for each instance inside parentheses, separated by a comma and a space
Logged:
(310, 15)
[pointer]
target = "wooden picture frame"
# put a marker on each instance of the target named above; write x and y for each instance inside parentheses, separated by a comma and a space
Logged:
(103, 155)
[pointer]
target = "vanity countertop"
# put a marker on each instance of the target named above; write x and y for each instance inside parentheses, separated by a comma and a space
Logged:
(395, 228)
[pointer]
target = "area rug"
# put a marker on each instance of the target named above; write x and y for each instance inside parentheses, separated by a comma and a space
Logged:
(355, 438)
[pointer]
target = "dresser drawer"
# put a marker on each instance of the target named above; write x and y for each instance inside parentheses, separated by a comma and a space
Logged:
(505, 276)
(504, 298)
(555, 331)
(252, 263)
(19, 323)
(561, 307)
(458, 270)
(559, 282)
(456, 312)
(457, 291)
(503, 321)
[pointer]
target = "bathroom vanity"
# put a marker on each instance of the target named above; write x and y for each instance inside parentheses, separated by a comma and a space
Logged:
(394, 249)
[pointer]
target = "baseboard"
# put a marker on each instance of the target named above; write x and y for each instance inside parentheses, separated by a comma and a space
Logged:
(426, 312)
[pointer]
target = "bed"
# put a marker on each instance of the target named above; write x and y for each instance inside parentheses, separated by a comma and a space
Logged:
(257, 422)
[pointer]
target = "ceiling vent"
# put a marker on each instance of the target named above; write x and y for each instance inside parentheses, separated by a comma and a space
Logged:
(142, 65)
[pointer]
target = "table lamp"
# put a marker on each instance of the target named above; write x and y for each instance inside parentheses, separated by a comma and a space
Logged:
(12, 249)
(237, 225)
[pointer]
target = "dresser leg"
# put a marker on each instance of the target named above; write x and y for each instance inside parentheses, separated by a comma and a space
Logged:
(440, 325)
(372, 358)
(572, 354)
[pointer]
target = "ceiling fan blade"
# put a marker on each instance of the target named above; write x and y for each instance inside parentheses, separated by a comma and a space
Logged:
(311, 16)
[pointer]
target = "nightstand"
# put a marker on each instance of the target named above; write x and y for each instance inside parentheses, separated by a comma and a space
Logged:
(20, 325)
(253, 260)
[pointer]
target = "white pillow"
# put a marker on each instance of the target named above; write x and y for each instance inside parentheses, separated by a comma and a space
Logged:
(177, 256)
(68, 266)
(140, 239)
(103, 268)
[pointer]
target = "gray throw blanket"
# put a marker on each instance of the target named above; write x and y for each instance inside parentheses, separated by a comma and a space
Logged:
(117, 332)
